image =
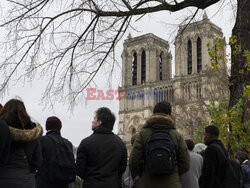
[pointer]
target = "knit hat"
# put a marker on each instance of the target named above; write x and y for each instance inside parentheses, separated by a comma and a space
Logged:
(53, 122)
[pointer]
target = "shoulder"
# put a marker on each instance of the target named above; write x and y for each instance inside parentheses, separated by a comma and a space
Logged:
(146, 131)
(177, 137)
(4, 127)
(87, 140)
(119, 140)
(196, 156)
(245, 167)
(67, 141)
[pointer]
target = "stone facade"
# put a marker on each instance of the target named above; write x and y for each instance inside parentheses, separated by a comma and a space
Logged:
(147, 78)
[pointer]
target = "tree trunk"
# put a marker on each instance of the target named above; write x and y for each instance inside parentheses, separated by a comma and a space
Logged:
(240, 79)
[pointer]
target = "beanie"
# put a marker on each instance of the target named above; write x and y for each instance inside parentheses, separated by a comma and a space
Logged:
(53, 123)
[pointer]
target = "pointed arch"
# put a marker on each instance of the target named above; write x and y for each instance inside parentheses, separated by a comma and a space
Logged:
(143, 67)
(133, 131)
(189, 57)
(199, 55)
(134, 69)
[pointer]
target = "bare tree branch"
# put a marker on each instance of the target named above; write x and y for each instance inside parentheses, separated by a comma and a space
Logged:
(70, 41)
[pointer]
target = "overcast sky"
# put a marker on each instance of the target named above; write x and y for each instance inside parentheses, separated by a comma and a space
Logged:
(76, 125)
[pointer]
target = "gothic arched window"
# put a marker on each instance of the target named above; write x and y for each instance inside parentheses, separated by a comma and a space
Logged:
(160, 66)
(133, 131)
(143, 67)
(134, 69)
(189, 60)
(199, 53)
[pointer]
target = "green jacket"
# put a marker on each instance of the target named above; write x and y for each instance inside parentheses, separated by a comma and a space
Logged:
(137, 157)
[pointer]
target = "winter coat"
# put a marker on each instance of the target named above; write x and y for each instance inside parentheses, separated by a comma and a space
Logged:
(191, 178)
(5, 141)
(25, 157)
(213, 166)
(101, 159)
(246, 174)
(48, 145)
(137, 157)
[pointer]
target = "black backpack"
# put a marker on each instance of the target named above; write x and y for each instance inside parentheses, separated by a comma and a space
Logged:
(61, 166)
(160, 153)
(233, 176)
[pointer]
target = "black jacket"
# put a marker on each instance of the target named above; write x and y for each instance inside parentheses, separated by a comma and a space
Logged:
(25, 157)
(101, 159)
(5, 141)
(213, 166)
(47, 146)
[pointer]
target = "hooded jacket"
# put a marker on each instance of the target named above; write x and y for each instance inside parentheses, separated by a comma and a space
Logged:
(137, 157)
(25, 157)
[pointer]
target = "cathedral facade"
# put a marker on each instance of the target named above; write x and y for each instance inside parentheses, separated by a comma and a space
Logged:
(147, 78)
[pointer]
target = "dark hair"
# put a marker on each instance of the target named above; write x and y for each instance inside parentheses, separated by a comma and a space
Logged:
(1, 106)
(241, 156)
(15, 114)
(162, 107)
(106, 116)
(190, 144)
(213, 130)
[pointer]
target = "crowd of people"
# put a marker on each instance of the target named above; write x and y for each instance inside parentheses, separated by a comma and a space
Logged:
(160, 157)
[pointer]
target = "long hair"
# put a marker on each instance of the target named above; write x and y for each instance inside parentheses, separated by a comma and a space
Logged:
(14, 112)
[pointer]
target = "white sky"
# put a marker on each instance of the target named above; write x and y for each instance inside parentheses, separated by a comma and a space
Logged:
(76, 125)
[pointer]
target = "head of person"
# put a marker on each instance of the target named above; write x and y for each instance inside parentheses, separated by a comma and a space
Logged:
(163, 108)
(103, 117)
(53, 123)
(211, 133)
(241, 156)
(190, 144)
(200, 148)
(14, 114)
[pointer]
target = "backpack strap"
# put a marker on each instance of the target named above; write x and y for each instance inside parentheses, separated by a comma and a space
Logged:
(54, 139)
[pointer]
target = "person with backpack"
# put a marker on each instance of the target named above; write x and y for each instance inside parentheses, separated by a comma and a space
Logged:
(102, 157)
(243, 159)
(159, 155)
(25, 155)
(58, 169)
(218, 169)
(191, 178)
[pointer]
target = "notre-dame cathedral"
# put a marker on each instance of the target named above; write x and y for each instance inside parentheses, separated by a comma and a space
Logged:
(147, 72)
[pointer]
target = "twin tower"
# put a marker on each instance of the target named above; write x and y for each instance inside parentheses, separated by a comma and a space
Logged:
(147, 78)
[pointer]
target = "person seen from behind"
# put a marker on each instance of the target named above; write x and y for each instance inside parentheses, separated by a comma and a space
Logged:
(200, 149)
(5, 141)
(154, 170)
(191, 178)
(215, 162)
(102, 157)
(243, 159)
(25, 152)
(49, 171)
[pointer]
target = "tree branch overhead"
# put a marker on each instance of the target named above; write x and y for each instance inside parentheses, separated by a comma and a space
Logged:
(71, 40)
